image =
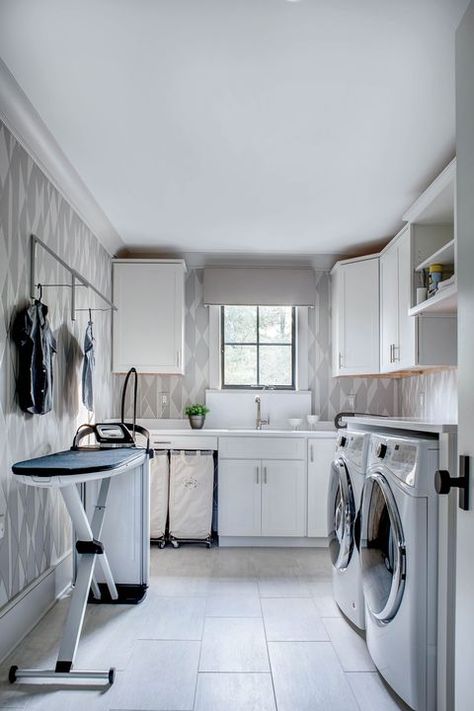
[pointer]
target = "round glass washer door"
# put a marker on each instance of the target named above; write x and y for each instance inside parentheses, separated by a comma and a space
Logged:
(382, 550)
(341, 515)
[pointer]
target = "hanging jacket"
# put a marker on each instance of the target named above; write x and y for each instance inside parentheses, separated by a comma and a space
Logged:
(36, 348)
(88, 368)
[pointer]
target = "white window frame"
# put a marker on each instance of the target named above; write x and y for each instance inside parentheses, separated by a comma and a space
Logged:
(301, 349)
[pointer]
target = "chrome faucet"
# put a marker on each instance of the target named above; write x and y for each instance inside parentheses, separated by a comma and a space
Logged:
(259, 421)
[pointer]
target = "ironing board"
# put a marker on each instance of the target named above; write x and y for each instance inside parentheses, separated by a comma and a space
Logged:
(64, 470)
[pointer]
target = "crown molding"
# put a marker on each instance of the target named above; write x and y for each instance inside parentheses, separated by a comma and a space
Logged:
(320, 262)
(21, 118)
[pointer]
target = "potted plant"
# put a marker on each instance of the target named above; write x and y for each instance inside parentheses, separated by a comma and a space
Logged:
(197, 415)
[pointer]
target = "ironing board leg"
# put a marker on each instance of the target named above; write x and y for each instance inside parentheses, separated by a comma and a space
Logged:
(85, 531)
(96, 526)
(75, 617)
(95, 588)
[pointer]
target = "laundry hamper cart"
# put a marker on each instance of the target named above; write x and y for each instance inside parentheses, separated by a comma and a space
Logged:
(159, 493)
(191, 496)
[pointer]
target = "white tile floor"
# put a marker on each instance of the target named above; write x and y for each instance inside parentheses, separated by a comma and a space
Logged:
(230, 629)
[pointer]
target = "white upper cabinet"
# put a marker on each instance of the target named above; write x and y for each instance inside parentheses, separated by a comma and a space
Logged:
(355, 316)
(397, 331)
(148, 328)
(408, 343)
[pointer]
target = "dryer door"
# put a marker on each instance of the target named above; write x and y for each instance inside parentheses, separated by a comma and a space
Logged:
(382, 549)
(341, 515)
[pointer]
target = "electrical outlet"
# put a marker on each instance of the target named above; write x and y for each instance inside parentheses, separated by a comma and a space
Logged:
(2, 525)
(164, 404)
(351, 402)
(421, 404)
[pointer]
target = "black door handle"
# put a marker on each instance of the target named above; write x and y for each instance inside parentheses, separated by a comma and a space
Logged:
(444, 482)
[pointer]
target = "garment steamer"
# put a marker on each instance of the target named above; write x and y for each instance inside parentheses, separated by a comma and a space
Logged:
(115, 434)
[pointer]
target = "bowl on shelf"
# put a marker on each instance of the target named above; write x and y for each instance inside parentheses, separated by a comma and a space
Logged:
(295, 422)
(312, 420)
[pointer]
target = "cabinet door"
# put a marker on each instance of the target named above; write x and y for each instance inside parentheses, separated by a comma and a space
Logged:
(337, 319)
(405, 355)
(359, 329)
(148, 328)
(240, 497)
(320, 457)
(283, 498)
(389, 345)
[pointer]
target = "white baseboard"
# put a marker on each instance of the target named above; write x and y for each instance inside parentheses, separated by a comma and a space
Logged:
(21, 614)
(271, 542)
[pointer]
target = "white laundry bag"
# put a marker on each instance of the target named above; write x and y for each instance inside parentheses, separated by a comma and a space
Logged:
(191, 491)
(159, 491)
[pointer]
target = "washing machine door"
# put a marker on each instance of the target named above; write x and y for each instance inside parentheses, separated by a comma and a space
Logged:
(382, 551)
(341, 515)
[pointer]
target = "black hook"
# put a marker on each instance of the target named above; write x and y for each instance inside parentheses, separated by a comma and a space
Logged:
(40, 289)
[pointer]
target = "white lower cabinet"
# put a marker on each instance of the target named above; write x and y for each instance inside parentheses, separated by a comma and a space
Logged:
(240, 497)
(262, 498)
(320, 457)
(274, 486)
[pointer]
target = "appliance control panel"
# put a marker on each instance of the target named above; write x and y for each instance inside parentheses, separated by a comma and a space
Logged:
(400, 456)
(352, 445)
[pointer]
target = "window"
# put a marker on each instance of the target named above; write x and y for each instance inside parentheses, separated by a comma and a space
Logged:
(258, 346)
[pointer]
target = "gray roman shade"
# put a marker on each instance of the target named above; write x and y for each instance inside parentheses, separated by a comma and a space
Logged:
(265, 286)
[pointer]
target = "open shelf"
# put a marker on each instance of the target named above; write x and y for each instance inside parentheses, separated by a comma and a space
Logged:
(444, 255)
(444, 301)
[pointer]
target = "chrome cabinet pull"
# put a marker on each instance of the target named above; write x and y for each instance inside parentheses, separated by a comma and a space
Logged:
(391, 353)
(340, 360)
(311, 453)
(258, 474)
(264, 475)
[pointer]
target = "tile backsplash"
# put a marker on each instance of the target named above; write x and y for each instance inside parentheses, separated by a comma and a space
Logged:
(432, 396)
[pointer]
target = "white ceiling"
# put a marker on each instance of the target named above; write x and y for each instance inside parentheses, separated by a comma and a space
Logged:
(243, 125)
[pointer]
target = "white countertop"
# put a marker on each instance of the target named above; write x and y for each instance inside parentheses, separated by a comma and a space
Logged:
(181, 428)
(414, 424)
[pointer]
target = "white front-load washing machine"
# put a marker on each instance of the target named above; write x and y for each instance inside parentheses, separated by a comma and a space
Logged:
(398, 553)
(344, 495)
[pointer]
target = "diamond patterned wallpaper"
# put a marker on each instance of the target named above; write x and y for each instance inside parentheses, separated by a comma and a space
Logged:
(37, 531)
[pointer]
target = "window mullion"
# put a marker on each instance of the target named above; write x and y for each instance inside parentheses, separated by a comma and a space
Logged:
(258, 345)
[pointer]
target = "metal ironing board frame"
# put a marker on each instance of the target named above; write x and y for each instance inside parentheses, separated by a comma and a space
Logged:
(91, 551)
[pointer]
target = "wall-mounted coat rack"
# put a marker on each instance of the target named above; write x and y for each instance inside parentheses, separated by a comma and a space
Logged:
(77, 280)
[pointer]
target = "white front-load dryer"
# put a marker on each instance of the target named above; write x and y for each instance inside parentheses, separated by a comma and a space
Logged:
(344, 495)
(398, 556)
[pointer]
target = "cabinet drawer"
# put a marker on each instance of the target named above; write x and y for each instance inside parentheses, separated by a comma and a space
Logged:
(183, 442)
(261, 447)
